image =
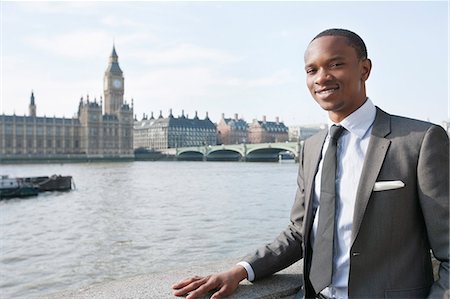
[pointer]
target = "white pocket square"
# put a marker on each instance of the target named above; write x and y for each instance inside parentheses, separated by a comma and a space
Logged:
(388, 185)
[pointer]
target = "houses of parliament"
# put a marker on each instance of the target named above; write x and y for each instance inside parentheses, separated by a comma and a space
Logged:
(107, 129)
(95, 132)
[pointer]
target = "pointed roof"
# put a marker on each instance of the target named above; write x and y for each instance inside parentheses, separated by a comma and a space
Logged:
(113, 66)
(114, 53)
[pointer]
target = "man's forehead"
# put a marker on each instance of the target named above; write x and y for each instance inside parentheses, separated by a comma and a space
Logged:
(332, 45)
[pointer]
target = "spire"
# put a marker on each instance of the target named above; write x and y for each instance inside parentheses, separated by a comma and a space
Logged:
(32, 106)
(114, 57)
(32, 98)
(113, 66)
(114, 53)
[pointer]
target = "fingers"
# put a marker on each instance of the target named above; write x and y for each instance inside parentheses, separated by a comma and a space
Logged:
(185, 282)
(196, 286)
(226, 283)
(208, 284)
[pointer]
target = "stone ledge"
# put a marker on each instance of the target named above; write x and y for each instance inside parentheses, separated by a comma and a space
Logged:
(285, 284)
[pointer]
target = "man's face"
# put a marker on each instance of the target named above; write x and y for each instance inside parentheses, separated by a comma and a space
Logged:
(335, 76)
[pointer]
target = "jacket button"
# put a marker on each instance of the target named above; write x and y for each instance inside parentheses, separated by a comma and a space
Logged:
(355, 253)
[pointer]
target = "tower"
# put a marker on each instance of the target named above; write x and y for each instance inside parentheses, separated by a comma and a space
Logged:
(113, 85)
(32, 106)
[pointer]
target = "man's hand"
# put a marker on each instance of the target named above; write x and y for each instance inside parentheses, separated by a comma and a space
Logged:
(225, 283)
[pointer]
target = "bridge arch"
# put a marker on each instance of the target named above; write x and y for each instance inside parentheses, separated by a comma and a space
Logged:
(224, 155)
(190, 155)
(264, 155)
(279, 147)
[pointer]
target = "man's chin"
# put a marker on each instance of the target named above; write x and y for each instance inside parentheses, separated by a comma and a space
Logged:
(330, 107)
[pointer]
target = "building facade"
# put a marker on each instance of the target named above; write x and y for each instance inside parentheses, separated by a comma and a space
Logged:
(91, 134)
(267, 131)
(173, 132)
(232, 130)
(301, 133)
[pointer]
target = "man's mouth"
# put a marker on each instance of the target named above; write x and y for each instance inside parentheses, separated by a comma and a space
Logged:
(326, 90)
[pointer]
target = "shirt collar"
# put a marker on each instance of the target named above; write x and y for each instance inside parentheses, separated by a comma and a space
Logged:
(360, 121)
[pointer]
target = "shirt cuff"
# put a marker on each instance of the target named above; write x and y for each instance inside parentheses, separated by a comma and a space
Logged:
(249, 269)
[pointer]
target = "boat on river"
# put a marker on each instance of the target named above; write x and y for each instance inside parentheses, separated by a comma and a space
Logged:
(50, 183)
(15, 187)
(31, 186)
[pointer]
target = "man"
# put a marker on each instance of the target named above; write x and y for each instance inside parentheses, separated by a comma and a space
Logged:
(389, 201)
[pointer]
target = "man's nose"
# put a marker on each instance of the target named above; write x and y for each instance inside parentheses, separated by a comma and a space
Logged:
(322, 76)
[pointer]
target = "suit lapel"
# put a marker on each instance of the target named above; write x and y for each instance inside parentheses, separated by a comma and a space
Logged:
(376, 152)
(311, 164)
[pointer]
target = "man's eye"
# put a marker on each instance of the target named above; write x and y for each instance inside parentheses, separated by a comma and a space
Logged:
(310, 71)
(338, 64)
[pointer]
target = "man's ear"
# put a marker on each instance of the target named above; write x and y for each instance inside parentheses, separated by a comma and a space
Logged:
(366, 67)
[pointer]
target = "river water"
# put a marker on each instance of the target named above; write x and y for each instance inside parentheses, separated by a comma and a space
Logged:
(126, 219)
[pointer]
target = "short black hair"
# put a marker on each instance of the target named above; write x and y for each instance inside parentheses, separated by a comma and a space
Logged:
(353, 39)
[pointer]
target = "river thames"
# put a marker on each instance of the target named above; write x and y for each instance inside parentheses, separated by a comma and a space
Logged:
(126, 219)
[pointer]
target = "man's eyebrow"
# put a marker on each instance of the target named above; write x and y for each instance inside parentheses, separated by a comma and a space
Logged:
(334, 58)
(338, 57)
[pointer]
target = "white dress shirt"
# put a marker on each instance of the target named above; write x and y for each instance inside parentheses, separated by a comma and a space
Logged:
(351, 151)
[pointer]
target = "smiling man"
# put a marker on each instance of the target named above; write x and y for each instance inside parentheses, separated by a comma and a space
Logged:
(336, 71)
(372, 203)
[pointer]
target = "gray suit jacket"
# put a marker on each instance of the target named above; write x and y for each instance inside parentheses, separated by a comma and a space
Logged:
(393, 230)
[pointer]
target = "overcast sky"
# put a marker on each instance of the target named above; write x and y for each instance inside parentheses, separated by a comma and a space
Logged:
(220, 57)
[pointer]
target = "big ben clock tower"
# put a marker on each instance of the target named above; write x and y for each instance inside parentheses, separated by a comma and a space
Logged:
(113, 85)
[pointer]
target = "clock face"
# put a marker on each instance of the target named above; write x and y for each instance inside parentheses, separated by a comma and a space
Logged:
(117, 83)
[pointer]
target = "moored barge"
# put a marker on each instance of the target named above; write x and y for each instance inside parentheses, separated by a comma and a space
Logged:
(31, 186)
(15, 187)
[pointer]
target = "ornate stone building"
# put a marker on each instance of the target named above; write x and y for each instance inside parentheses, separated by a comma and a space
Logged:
(173, 132)
(92, 134)
(232, 130)
(267, 131)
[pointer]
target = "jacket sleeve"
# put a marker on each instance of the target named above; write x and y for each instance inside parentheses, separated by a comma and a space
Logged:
(286, 249)
(433, 190)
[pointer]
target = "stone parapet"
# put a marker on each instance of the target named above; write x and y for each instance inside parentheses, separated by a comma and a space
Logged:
(285, 284)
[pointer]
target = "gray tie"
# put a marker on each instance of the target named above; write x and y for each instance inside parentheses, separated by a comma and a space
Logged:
(322, 258)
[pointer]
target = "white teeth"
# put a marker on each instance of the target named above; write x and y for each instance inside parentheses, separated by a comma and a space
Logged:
(327, 91)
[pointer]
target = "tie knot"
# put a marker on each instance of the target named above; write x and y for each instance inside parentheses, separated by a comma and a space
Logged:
(336, 131)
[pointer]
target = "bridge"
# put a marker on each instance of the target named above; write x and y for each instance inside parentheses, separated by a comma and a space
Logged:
(240, 152)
